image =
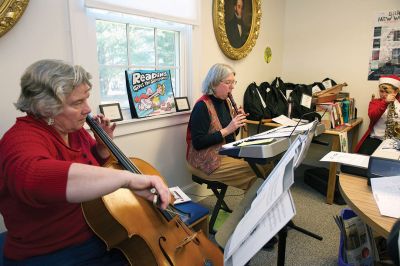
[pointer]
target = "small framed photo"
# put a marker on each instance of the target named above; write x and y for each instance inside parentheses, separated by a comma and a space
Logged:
(111, 111)
(182, 104)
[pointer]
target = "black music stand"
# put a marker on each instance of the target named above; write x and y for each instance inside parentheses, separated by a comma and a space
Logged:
(296, 162)
(283, 232)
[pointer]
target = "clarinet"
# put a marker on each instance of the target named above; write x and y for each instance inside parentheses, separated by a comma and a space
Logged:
(233, 103)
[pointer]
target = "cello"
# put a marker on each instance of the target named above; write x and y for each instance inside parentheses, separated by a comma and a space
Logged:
(145, 234)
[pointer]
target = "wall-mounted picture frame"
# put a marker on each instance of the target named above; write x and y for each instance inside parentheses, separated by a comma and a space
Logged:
(236, 26)
(182, 104)
(10, 12)
(112, 111)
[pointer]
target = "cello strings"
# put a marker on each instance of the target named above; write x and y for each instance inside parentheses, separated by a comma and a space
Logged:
(126, 162)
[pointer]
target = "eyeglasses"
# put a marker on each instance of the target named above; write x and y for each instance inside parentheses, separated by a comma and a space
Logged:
(229, 82)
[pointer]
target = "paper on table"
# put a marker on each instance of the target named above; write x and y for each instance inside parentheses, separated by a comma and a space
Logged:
(386, 191)
(284, 120)
(353, 159)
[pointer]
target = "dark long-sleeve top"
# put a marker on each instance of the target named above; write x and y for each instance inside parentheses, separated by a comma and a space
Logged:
(200, 123)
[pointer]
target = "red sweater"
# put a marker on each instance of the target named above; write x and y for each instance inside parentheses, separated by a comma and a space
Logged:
(34, 165)
(376, 109)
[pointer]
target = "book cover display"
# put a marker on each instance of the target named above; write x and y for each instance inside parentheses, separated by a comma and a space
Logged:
(150, 92)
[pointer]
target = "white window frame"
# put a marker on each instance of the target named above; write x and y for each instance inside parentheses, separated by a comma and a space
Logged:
(184, 32)
(84, 52)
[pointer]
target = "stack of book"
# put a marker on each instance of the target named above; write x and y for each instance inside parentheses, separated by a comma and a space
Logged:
(338, 112)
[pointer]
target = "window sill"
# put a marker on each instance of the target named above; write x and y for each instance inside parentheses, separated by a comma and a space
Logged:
(137, 125)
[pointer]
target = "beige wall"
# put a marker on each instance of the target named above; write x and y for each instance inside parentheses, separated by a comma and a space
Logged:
(332, 39)
(44, 32)
(251, 68)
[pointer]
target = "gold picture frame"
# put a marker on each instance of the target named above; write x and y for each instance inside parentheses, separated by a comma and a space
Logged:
(10, 12)
(223, 14)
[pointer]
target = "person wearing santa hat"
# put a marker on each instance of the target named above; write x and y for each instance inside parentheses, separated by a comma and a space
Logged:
(377, 111)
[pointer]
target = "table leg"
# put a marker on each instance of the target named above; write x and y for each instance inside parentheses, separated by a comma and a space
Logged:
(332, 172)
(354, 138)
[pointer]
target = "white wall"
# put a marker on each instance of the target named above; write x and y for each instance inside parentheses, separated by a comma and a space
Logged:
(44, 32)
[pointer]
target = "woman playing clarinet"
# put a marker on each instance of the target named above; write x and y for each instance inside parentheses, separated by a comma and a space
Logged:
(213, 122)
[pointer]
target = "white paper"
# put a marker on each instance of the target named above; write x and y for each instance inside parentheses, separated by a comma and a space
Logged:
(272, 209)
(387, 149)
(353, 159)
(277, 217)
(284, 120)
(283, 131)
(327, 84)
(306, 100)
(179, 195)
(315, 89)
(386, 191)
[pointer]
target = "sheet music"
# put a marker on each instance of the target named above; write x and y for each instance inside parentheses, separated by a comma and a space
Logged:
(269, 212)
(305, 143)
(277, 217)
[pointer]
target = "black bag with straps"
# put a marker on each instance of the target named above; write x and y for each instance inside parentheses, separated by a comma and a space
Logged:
(299, 110)
(276, 98)
(254, 103)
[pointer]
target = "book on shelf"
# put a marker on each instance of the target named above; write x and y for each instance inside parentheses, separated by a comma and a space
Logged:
(325, 111)
(332, 117)
(335, 116)
(352, 109)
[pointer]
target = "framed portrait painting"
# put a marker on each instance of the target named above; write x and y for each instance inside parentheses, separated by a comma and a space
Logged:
(236, 26)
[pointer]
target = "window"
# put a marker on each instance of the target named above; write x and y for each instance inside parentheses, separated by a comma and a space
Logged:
(134, 42)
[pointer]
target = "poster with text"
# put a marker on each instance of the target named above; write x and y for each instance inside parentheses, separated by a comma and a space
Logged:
(150, 92)
(385, 55)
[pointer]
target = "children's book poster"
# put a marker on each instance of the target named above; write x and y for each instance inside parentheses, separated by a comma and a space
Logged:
(150, 92)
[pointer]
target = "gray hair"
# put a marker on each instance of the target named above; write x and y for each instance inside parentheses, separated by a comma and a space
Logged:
(46, 84)
(215, 75)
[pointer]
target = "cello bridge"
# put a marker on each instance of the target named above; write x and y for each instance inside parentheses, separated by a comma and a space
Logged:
(186, 241)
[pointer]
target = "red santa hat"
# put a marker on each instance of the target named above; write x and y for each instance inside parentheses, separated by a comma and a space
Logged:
(390, 79)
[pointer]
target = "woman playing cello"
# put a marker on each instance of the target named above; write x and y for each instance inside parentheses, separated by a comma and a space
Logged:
(49, 164)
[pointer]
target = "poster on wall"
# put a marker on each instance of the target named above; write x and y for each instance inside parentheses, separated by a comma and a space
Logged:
(150, 92)
(385, 56)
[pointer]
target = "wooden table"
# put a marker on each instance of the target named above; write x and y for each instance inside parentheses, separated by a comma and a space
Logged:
(358, 196)
(352, 127)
